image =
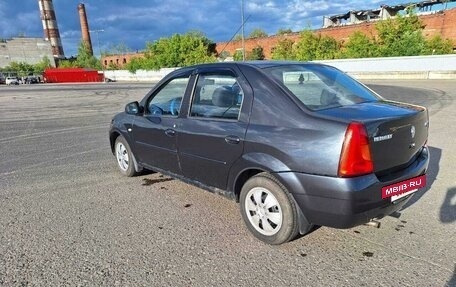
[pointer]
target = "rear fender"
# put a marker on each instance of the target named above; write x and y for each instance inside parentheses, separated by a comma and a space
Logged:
(285, 178)
(252, 163)
(265, 163)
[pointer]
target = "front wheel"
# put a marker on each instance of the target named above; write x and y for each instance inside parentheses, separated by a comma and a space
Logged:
(124, 156)
(268, 209)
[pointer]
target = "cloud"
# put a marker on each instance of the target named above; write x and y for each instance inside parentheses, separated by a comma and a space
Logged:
(134, 23)
(70, 34)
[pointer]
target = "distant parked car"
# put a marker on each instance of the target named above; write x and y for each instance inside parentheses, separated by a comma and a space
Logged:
(297, 144)
(11, 81)
(31, 80)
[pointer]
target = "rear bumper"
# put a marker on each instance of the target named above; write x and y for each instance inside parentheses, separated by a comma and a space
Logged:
(347, 202)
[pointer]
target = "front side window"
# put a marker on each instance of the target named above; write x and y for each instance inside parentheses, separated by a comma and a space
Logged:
(168, 100)
(217, 96)
(321, 87)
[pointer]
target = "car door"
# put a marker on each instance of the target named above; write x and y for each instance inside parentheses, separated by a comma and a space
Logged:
(155, 132)
(212, 137)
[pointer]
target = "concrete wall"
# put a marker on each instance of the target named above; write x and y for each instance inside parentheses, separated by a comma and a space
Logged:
(28, 50)
(139, 76)
(421, 67)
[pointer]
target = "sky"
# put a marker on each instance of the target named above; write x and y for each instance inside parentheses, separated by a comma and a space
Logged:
(134, 23)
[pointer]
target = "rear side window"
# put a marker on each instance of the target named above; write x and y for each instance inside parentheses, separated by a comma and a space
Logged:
(217, 96)
(168, 100)
(321, 87)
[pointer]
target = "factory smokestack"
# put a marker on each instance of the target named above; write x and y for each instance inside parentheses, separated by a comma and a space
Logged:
(50, 28)
(85, 27)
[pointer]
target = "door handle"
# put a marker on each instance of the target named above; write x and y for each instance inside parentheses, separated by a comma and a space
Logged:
(232, 139)
(170, 132)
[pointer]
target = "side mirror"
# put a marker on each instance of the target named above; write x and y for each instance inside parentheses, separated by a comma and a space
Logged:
(133, 108)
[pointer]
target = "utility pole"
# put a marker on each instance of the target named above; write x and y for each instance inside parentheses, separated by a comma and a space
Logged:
(98, 39)
(99, 47)
(242, 33)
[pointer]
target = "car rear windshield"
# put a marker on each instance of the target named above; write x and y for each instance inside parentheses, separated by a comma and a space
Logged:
(321, 87)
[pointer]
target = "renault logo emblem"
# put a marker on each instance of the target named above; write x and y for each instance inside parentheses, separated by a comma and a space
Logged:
(412, 131)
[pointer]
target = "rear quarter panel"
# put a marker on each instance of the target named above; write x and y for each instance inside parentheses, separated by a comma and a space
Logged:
(279, 128)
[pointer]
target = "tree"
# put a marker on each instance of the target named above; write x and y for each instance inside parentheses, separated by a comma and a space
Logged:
(282, 31)
(283, 50)
(307, 46)
(43, 65)
(113, 66)
(256, 54)
(257, 33)
(401, 36)
(316, 47)
(85, 59)
(22, 69)
(328, 48)
(359, 45)
(135, 64)
(179, 50)
(238, 55)
(438, 46)
(67, 64)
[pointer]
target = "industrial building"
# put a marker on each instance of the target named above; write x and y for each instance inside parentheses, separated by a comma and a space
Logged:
(33, 50)
(28, 50)
(383, 13)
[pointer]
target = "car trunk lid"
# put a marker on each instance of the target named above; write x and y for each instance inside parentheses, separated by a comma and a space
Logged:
(396, 131)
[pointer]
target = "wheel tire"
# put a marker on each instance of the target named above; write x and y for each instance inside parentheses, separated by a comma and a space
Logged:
(124, 157)
(268, 209)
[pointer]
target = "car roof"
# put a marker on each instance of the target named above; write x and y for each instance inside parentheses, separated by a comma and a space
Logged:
(271, 63)
(254, 64)
(257, 64)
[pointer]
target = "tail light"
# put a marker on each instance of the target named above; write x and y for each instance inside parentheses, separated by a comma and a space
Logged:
(355, 159)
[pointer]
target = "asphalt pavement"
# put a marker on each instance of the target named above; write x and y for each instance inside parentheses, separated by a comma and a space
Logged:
(68, 218)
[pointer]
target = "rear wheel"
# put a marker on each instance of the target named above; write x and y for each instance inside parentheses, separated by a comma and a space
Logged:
(124, 157)
(268, 209)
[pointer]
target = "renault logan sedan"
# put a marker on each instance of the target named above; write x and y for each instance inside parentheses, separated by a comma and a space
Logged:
(296, 144)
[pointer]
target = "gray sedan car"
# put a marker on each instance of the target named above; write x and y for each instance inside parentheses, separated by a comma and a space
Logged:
(296, 144)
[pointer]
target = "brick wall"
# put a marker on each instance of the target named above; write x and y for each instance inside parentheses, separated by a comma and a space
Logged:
(119, 60)
(443, 23)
